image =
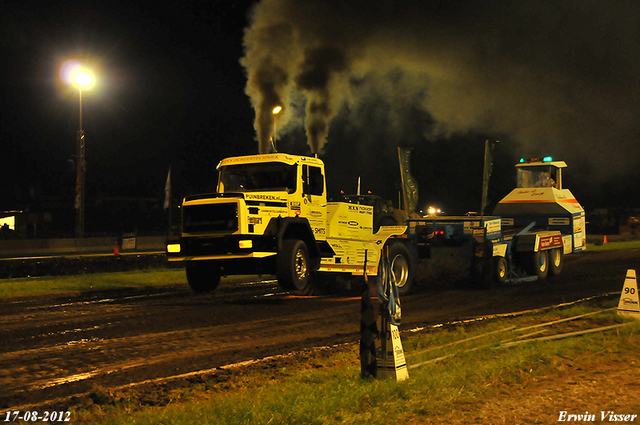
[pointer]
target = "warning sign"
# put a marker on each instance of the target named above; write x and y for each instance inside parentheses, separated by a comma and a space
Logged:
(628, 305)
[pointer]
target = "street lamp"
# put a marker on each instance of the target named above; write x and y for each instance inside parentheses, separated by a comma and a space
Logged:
(82, 79)
(275, 112)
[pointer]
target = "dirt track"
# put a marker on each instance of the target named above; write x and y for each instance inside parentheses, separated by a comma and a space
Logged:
(56, 347)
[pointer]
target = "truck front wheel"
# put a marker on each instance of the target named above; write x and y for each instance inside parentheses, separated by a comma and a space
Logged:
(400, 261)
(293, 266)
(203, 276)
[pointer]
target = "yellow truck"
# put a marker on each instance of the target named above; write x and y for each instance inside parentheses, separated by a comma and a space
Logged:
(270, 215)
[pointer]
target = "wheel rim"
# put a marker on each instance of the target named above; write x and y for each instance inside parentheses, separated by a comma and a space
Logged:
(300, 266)
(502, 269)
(400, 270)
(555, 257)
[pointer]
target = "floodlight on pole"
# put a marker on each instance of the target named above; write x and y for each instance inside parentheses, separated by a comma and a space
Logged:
(73, 73)
(275, 112)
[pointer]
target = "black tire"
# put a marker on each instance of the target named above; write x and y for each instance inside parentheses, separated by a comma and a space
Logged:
(537, 264)
(556, 259)
(203, 276)
(293, 267)
(500, 270)
(401, 267)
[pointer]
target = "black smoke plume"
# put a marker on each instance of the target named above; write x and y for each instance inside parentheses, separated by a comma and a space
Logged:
(560, 78)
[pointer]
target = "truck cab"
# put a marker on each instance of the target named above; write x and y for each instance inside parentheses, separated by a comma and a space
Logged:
(270, 215)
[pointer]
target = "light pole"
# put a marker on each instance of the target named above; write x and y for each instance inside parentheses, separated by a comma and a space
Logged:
(275, 113)
(82, 80)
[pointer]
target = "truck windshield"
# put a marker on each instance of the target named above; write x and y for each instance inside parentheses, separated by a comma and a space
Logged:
(536, 177)
(274, 176)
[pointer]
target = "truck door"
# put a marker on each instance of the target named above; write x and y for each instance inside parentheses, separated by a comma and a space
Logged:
(314, 200)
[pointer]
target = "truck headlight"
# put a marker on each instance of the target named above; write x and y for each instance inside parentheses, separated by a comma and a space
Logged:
(173, 248)
(245, 244)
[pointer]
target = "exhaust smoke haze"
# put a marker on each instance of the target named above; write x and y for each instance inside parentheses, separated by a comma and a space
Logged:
(558, 78)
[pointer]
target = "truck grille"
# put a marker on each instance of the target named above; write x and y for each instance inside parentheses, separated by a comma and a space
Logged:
(210, 218)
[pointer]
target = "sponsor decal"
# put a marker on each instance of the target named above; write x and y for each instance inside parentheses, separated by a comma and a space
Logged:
(294, 205)
(559, 221)
(362, 209)
(492, 226)
(315, 213)
(550, 241)
(262, 197)
(255, 220)
(353, 223)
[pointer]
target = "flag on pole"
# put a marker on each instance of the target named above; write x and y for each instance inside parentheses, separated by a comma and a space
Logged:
(488, 168)
(409, 186)
(167, 190)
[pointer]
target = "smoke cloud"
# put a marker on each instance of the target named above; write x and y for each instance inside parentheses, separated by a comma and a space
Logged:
(559, 78)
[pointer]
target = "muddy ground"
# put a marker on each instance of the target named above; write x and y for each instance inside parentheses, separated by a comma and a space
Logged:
(55, 351)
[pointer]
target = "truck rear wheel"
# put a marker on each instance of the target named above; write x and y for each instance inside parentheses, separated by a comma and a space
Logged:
(293, 266)
(555, 261)
(400, 261)
(203, 276)
(537, 263)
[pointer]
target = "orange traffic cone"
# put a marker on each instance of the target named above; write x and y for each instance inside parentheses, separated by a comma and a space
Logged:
(605, 239)
(116, 251)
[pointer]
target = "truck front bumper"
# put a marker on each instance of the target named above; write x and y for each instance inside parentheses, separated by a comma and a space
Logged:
(232, 247)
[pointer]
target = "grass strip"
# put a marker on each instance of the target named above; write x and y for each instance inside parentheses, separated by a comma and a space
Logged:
(22, 287)
(610, 246)
(475, 374)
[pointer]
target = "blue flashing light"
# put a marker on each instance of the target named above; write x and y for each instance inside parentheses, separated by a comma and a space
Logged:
(547, 159)
(521, 160)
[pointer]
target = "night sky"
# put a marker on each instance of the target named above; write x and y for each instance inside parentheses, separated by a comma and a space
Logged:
(180, 84)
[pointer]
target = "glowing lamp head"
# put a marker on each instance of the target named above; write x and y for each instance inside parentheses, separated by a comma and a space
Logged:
(74, 73)
(276, 110)
(83, 79)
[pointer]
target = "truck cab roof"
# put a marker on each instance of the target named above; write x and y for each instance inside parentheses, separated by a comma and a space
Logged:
(271, 157)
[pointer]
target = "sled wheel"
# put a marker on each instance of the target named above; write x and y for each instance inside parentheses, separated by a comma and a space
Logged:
(537, 264)
(501, 270)
(556, 259)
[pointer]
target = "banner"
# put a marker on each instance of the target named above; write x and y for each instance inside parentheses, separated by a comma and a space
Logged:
(488, 168)
(409, 186)
(167, 191)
